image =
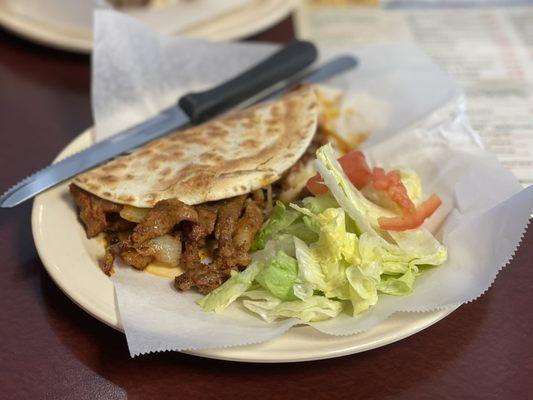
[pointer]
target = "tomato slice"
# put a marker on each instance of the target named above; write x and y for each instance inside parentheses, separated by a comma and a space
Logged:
(379, 179)
(356, 169)
(354, 166)
(398, 192)
(413, 219)
(392, 184)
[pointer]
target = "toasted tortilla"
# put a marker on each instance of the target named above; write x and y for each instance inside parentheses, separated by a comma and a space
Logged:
(232, 155)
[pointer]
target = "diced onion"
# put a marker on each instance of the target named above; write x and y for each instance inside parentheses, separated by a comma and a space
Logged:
(134, 214)
(166, 249)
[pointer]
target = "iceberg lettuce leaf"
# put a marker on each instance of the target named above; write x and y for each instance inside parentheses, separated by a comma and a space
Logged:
(229, 291)
(279, 276)
(310, 276)
(279, 219)
(270, 308)
(363, 212)
(421, 245)
(239, 282)
(398, 285)
(318, 204)
(363, 286)
(283, 221)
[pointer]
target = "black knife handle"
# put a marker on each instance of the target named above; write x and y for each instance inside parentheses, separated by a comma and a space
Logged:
(292, 58)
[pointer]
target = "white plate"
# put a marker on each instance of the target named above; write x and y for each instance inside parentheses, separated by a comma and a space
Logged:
(243, 22)
(71, 261)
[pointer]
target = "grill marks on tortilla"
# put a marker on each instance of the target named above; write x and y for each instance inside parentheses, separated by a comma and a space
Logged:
(126, 199)
(226, 157)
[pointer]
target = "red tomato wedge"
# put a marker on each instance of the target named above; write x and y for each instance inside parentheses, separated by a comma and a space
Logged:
(411, 220)
(394, 187)
(358, 172)
(354, 166)
(379, 179)
(356, 169)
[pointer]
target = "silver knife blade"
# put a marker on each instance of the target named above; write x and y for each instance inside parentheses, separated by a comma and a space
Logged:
(329, 69)
(163, 123)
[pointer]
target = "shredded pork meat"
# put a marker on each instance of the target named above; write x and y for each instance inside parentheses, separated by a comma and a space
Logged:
(165, 215)
(98, 215)
(247, 227)
(234, 234)
(228, 216)
(195, 235)
(230, 225)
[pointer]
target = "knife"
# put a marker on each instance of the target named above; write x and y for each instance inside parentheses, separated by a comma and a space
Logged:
(328, 70)
(193, 108)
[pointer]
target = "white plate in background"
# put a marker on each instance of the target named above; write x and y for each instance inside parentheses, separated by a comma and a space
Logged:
(68, 29)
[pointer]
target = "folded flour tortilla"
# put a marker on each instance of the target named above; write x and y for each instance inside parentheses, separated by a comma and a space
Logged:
(229, 156)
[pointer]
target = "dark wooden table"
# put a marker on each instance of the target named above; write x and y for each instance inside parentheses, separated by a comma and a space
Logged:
(50, 348)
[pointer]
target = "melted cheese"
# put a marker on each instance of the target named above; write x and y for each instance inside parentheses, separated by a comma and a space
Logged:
(163, 270)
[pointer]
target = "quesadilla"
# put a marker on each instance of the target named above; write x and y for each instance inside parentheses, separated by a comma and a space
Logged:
(196, 198)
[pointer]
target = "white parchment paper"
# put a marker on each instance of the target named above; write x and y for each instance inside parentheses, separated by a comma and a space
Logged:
(484, 214)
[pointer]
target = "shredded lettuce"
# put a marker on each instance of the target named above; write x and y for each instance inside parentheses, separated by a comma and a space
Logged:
(401, 285)
(399, 265)
(283, 221)
(280, 219)
(421, 245)
(310, 276)
(230, 290)
(239, 282)
(362, 286)
(334, 242)
(327, 253)
(279, 276)
(363, 212)
(303, 230)
(270, 308)
(335, 250)
(319, 204)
